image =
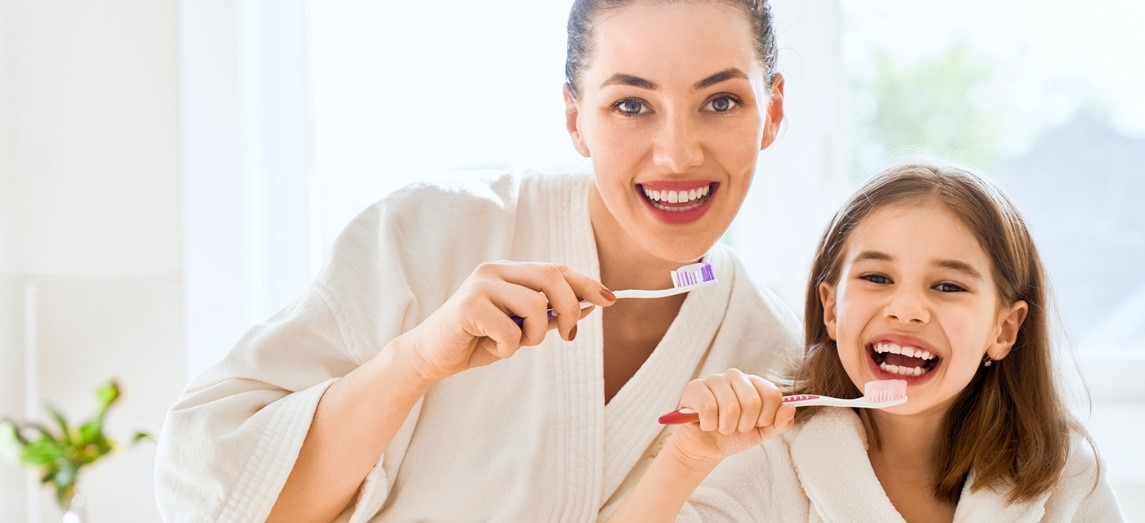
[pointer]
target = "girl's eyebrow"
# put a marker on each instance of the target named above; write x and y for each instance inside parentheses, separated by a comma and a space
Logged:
(957, 265)
(945, 263)
(636, 81)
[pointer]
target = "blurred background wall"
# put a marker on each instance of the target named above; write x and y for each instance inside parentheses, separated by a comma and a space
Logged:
(90, 267)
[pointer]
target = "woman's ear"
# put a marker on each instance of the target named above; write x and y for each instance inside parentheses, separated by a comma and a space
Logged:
(827, 300)
(774, 112)
(572, 122)
(1006, 331)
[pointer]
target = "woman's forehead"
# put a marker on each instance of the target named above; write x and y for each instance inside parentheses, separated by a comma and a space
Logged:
(671, 42)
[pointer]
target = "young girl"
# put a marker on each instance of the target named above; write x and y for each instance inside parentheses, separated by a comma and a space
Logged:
(928, 275)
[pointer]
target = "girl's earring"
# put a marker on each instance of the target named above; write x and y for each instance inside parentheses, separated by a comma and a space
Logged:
(987, 361)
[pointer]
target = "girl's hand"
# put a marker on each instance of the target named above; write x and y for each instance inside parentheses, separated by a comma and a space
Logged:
(474, 328)
(736, 411)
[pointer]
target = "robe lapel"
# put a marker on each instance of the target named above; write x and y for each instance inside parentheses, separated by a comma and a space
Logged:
(631, 426)
(988, 504)
(830, 457)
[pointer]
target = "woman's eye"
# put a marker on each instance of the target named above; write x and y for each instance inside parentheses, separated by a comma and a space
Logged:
(721, 104)
(949, 287)
(630, 107)
(876, 278)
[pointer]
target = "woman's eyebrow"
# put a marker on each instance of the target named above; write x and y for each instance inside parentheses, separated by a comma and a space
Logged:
(636, 81)
(722, 76)
(628, 79)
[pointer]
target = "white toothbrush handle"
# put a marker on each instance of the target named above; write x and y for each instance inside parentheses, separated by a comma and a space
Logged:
(811, 400)
(661, 293)
(635, 293)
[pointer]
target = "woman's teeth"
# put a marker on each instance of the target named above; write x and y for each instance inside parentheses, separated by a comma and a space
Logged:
(677, 196)
(906, 361)
(677, 201)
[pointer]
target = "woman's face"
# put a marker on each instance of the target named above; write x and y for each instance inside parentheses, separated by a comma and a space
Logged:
(673, 112)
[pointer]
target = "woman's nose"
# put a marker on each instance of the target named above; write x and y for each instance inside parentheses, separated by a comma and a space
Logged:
(677, 146)
(907, 306)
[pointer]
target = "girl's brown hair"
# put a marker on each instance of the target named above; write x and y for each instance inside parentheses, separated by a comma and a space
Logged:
(1010, 424)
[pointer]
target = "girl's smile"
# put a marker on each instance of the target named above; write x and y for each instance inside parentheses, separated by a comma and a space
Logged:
(898, 357)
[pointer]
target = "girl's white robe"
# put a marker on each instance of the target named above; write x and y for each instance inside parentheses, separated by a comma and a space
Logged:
(525, 439)
(819, 471)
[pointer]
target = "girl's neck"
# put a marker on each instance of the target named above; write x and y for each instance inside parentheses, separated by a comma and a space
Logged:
(902, 452)
(910, 442)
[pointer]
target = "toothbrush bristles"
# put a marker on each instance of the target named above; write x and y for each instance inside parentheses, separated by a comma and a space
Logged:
(693, 274)
(881, 391)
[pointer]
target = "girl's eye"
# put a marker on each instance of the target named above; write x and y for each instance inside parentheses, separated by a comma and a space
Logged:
(630, 107)
(876, 278)
(721, 104)
(949, 287)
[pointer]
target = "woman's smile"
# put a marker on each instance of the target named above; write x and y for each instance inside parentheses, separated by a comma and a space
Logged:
(678, 202)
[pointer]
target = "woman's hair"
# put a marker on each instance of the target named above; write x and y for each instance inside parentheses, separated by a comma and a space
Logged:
(585, 14)
(1010, 424)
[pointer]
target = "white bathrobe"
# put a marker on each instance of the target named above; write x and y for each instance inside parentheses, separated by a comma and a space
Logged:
(819, 471)
(525, 439)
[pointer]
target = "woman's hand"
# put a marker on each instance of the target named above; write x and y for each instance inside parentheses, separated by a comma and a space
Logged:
(736, 411)
(474, 327)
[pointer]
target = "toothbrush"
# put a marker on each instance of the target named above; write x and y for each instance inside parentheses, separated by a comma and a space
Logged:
(685, 279)
(876, 395)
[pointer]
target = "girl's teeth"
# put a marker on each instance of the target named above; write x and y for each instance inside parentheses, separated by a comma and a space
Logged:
(912, 352)
(902, 371)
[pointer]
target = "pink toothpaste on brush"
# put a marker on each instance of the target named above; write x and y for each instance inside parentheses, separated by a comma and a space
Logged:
(685, 279)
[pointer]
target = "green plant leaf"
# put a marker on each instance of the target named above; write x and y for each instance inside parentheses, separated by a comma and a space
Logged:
(12, 443)
(43, 451)
(141, 435)
(91, 431)
(62, 422)
(107, 394)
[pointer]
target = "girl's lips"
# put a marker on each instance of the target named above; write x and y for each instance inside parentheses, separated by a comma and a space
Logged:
(902, 357)
(678, 202)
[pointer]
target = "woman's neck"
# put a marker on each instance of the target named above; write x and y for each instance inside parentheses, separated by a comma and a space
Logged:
(623, 264)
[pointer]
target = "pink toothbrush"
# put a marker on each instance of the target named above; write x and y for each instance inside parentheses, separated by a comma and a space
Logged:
(876, 395)
(685, 279)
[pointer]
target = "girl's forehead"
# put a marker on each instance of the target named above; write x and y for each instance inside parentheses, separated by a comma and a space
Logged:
(925, 227)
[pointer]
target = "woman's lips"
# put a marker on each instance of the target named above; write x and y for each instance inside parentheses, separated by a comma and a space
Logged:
(678, 202)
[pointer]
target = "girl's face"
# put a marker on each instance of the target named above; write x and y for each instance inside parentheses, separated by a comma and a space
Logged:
(916, 300)
(673, 112)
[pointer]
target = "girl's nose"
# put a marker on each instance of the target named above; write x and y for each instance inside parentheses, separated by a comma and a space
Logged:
(677, 146)
(907, 306)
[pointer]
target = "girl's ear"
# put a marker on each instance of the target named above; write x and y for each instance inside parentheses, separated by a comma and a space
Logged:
(774, 112)
(827, 299)
(1006, 331)
(572, 122)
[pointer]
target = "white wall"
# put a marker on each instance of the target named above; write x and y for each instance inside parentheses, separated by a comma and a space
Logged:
(803, 176)
(89, 223)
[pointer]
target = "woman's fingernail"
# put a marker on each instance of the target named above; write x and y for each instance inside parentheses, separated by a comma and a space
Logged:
(608, 295)
(572, 333)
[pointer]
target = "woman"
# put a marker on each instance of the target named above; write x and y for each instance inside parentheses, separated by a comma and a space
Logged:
(397, 387)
